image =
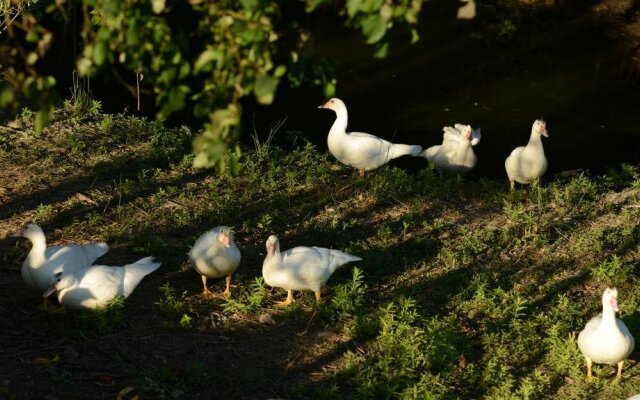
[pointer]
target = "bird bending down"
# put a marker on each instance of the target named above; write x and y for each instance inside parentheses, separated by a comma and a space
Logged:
(301, 268)
(43, 263)
(455, 154)
(215, 255)
(361, 151)
(606, 339)
(528, 163)
(98, 285)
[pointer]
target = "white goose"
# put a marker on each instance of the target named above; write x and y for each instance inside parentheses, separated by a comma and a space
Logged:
(42, 264)
(97, 285)
(215, 255)
(528, 163)
(455, 154)
(606, 339)
(361, 150)
(301, 268)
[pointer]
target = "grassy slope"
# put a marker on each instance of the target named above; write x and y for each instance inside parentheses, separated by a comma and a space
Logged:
(465, 291)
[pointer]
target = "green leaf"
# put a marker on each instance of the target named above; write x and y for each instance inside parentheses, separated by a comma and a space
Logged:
(208, 150)
(6, 97)
(223, 119)
(112, 7)
(415, 36)
(381, 50)
(173, 101)
(31, 58)
(374, 27)
(184, 71)
(264, 88)
(280, 71)
(204, 59)
(133, 36)
(100, 53)
(249, 5)
(353, 6)
(31, 36)
(158, 6)
(84, 66)
(330, 89)
(43, 117)
(369, 6)
(234, 162)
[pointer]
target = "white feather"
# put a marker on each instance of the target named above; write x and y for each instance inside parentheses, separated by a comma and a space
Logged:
(302, 268)
(42, 263)
(359, 150)
(97, 285)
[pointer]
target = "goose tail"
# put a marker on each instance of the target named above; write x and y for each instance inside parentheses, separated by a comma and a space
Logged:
(133, 273)
(398, 150)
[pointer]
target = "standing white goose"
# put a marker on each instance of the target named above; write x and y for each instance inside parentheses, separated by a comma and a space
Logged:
(301, 268)
(455, 154)
(97, 285)
(215, 255)
(361, 150)
(42, 264)
(528, 163)
(606, 339)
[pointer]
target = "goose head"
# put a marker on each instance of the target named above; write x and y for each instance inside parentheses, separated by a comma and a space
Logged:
(273, 245)
(224, 236)
(610, 299)
(60, 282)
(334, 104)
(29, 231)
(467, 132)
(539, 128)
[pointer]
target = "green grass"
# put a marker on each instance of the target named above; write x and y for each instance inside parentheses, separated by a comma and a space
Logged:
(466, 290)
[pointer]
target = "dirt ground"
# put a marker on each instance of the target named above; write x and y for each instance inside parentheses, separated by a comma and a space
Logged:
(57, 356)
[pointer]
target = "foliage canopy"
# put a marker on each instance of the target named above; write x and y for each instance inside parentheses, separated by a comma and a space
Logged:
(203, 55)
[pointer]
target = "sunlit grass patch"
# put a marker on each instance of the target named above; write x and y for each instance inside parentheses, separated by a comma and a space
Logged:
(466, 290)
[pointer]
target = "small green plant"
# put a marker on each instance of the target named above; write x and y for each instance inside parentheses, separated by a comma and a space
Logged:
(170, 303)
(26, 114)
(407, 350)
(174, 382)
(185, 321)
(44, 212)
(576, 196)
(262, 148)
(102, 319)
(265, 221)
(347, 299)
(563, 354)
(247, 303)
(76, 144)
(175, 306)
(611, 271)
(525, 223)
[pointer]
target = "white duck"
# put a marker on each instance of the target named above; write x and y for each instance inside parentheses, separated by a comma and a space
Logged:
(606, 339)
(301, 268)
(215, 255)
(528, 163)
(361, 150)
(455, 154)
(42, 264)
(97, 285)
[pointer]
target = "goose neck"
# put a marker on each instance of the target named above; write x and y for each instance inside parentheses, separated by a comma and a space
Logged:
(608, 318)
(340, 124)
(535, 140)
(36, 255)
